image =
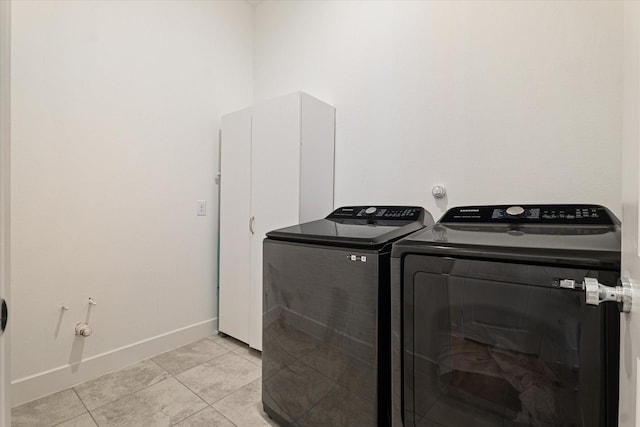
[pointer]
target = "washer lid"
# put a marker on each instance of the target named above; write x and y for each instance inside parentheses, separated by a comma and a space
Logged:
(549, 234)
(360, 226)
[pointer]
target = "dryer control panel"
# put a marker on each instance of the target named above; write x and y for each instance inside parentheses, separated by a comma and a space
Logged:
(387, 213)
(532, 214)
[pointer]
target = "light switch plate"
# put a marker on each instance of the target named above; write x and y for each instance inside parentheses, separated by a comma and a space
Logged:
(201, 207)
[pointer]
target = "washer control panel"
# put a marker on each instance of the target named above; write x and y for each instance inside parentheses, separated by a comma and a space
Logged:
(537, 214)
(400, 213)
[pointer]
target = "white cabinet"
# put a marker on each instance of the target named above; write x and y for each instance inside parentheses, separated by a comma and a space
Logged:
(277, 162)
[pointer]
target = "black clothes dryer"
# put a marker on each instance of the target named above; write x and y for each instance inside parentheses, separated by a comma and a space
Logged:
(326, 326)
(490, 326)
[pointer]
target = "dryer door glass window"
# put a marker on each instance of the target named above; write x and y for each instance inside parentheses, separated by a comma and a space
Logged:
(494, 344)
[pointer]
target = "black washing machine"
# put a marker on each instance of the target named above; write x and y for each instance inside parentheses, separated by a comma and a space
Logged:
(326, 326)
(490, 320)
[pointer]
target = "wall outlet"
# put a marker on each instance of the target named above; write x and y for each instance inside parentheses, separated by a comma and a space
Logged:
(201, 207)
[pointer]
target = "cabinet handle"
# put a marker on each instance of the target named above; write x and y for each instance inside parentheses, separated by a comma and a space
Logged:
(251, 224)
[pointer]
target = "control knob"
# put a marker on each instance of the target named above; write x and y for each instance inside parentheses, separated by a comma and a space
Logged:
(515, 211)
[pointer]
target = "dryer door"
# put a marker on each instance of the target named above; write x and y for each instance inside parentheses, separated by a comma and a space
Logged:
(494, 344)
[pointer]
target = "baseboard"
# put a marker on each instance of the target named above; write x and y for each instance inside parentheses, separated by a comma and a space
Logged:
(42, 384)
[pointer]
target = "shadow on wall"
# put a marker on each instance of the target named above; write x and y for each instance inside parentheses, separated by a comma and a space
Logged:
(77, 348)
(442, 204)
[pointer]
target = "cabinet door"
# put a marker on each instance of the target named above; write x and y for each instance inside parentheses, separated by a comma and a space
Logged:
(317, 136)
(235, 213)
(275, 187)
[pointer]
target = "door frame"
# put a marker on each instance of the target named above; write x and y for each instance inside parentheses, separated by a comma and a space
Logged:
(629, 408)
(5, 175)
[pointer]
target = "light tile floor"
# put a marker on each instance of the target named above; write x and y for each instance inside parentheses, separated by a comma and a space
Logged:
(212, 382)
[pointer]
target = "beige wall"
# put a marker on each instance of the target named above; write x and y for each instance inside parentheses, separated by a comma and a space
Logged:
(502, 102)
(116, 109)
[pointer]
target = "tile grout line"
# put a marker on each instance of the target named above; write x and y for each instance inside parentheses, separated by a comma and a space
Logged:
(209, 405)
(143, 388)
(224, 416)
(151, 385)
(260, 410)
(133, 392)
(76, 416)
(203, 409)
(249, 358)
(191, 367)
(227, 395)
(189, 388)
(252, 361)
(85, 406)
(240, 349)
(192, 391)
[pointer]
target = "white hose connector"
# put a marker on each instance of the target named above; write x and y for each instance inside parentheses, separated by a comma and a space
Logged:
(83, 329)
(439, 191)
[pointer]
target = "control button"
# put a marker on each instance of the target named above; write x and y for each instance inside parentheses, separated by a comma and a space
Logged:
(370, 210)
(515, 210)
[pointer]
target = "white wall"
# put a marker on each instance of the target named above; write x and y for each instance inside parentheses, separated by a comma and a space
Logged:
(502, 102)
(116, 109)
